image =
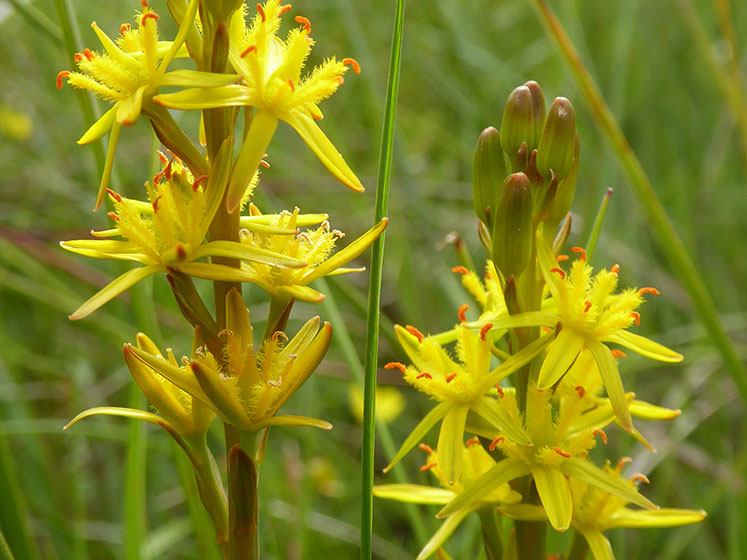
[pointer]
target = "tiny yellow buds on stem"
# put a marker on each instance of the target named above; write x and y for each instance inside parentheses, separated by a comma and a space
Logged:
(488, 174)
(557, 145)
(512, 232)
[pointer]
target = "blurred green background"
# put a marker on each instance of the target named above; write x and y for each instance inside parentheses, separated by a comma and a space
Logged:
(62, 494)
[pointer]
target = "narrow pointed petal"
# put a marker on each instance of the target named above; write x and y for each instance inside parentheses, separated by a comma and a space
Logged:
(665, 517)
(529, 319)
(547, 262)
(218, 180)
(451, 443)
(644, 346)
(502, 472)
(219, 272)
(233, 249)
(518, 360)
(99, 128)
(181, 35)
(197, 79)
(307, 362)
(555, 494)
(108, 163)
(648, 411)
(443, 533)
(587, 471)
(492, 411)
(104, 249)
(302, 220)
(182, 378)
(128, 109)
(348, 253)
(340, 271)
(417, 435)
(562, 353)
(323, 148)
(205, 98)
(524, 512)
(303, 337)
(297, 421)
(612, 383)
(413, 493)
(599, 545)
(119, 411)
(304, 293)
(225, 403)
(113, 289)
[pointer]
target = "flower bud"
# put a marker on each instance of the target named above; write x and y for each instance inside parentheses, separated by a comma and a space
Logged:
(221, 10)
(556, 146)
(566, 189)
(538, 112)
(488, 174)
(512, 231)
(517, 125)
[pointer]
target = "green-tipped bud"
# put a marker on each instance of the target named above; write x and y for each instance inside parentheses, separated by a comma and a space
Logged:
(538, 112)
(556, 146)
(566, 189)
(488, 174)
(517, 125)
(512, 231)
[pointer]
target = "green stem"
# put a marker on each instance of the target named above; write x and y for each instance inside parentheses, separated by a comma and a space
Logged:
(596, 229)
(374, 293)
(579, 547)
(644, 191)
(13, 513)
(5, 553)
(243, 480)
(490, 524)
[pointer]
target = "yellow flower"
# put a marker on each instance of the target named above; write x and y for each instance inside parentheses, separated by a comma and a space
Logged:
(130, 72)
(167, 233)
(249, 386)
(272, 83)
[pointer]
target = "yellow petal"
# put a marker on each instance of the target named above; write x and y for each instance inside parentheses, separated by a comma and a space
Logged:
(612, 383)
(108, 163)
(234, 249)
(205, 98)
(587, 471)
(518, 360)
(451, 443)
(417, 435)
(443, 533)
(665, 517)
(119, 411)
(100, 127)
(181, 35)
(648, 411)
(306, 362)
(304, 293)
(561, 354)
(197, 79)
(547, 262)
(105, 249)
(413, 493)
(218, 272)
(113, 289)
(181, 377)
(224, 401)
(555, 494)
(494, 413)
(599, 545)
(524, 512)
(644, 346)
(296, 421)
(128, 109)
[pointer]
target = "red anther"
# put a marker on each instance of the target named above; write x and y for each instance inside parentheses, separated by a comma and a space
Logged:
(248, 50)
(290, 83)
(115, 196)
(155, 203)
(61, 76)
(581, 251)
(264, 164)
(162, 157)
(640, 477)
(353, 64)
(559, 271)
(561, 452)
(484, 330)
(283, 9)
(602, 434)
(461, 311)
(618, 353)
(158, 177)
(87, 53)
(261, 12)
(495, 442)
(167, 171)
(144, 3)
(637, 317)
(146, 17)
(425, 448)
(580, 390)
(460, 270)
(340, 80)
(428, 466)
(415, 332)
(77, 57)
(424, 374)
(587, 306)
(621, 462)
(648, 291)
(561, 258)
(450, 377)
(125, 27)
(198, 181)
(545, 329)
(471, 442)
(316, 117)
(113, 216)
(181, 254)
(500, 391)
(615, 268)
(397, 365)
(305, 22)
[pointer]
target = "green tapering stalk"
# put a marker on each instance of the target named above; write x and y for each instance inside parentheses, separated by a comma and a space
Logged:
(490, 525)
(579, 547)
(596, 228)
(374, 293)
(644, 191)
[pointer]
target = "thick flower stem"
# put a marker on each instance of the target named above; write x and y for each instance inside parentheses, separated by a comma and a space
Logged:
(490, 525)
(530, 535)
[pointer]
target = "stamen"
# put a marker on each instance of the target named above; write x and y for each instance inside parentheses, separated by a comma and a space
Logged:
(77, 57)
(353, 64)
(226, 332)
(500, 391)
(155, 203)
(648, 291)
(621, 462)
(264, 164)
(601, 433)
(397, 365)
(580, 390)
(162, 157)
(424, 447)
(113, 216)
(640, 477)
(581, 251)
(637, 317)
(276, 383)
(88, 54)
(149, 15)
(124, 28)
(460, 270)
(450, 377)
(283, 9)
(167, 171)
(461, 311)
(618, 353)
(114, 195)
(561, 258)
(545, 329)
(340, 80)
(290, 83)
(261, 12)
(424, 374)
(277, 335)
(415, 332)
(61, 76)
(561, 452)
(305, 22)
(587, 306)
(615, 269)
(484, 330)
(144, 3)
(181, 252)
(559, 271)
(197, 182)
(428, 466)
(248, 50)
(495, 442)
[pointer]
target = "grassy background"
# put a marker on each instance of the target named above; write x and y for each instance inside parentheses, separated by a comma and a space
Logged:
(460, 61)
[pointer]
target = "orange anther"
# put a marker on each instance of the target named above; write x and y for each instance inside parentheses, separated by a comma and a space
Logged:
(113, 216)
(261, 12)
(545, 329)
(114, 195)
(484, 330)
(615, 269)
(162, 157)
(415, 332)
(461, 311)
(77, 57)
(618, 353)
(397, 365)
(559, 271)
(500, 391)
(198, 181)
(561, 258)
(155, 203)
(587, 306)
(621, 462)
(283, 9)
(471, 442)
(146, 17)
(580, 390)
(264, 164)
(181, 253)
(450, 377)
(460, 270)
(637, 317)
(581, 251)
(340, 80)
(61, 76)
(124, 28)
(353, 64)
(425, 448)
(252, 48)
(167, 171)
(640, 477)
(561, 452)
(428, 466)
(290, 83)
(88, 54)
(648, 291)
(424, 374)
(495, 442)
(602, 434)
(144, 3)
(305, 22)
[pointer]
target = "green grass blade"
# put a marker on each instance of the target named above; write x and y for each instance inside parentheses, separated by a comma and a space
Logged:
(38, 19)
(13, 512)
(374, 294)
(5, 553)
(596, 229)
(679, 258)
